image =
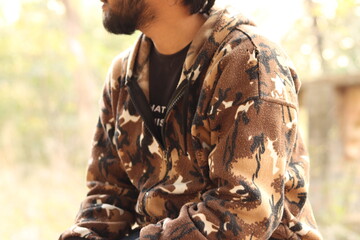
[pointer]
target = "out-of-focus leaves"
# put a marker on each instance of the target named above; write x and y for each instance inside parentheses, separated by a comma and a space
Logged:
(38, 97)
(337, 22)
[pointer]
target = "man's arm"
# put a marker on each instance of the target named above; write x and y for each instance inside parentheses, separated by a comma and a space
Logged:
(108, 211)
(254, 129)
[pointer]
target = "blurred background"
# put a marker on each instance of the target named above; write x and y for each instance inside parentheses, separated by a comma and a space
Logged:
(54, 55)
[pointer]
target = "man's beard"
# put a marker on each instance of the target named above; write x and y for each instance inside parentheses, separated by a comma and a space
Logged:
(126, 17)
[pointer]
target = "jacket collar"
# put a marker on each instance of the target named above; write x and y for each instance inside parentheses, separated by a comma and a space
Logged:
(205, 41)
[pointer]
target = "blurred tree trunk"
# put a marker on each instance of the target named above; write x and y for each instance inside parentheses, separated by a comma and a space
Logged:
(314, 13)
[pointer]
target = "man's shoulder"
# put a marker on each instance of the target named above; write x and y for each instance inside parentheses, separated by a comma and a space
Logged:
(245, 38)
(270, 74)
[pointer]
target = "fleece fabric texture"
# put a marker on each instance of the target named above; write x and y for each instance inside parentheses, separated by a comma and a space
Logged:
(231, 163)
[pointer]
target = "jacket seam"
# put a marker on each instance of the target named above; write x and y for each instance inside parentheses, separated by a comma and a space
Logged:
(280, 102)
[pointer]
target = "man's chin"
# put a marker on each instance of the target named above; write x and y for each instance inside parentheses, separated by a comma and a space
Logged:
(119, 24)
(117, 28)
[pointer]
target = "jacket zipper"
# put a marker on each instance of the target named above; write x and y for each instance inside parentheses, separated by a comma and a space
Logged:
(173, 101)
(135, 90)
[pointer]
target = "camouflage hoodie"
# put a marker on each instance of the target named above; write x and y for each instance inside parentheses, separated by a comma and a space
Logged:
(230, 164)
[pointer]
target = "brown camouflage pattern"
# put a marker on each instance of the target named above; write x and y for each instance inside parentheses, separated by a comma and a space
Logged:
(244, 171)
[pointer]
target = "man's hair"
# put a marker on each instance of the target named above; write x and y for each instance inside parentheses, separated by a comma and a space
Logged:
(199, 6)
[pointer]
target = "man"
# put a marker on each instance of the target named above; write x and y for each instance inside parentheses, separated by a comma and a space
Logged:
(198, 133)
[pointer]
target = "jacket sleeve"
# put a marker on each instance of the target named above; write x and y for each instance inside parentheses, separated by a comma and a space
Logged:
(108, 210)
(252, 134)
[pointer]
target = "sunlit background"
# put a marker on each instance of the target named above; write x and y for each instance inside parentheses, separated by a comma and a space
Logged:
(54, 55)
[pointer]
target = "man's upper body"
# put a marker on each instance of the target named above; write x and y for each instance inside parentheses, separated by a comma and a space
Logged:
(228, 163)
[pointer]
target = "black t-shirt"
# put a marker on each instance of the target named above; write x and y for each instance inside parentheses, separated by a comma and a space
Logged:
(164, 75)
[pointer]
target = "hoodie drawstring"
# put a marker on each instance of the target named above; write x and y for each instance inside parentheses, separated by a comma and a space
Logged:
(185, 112)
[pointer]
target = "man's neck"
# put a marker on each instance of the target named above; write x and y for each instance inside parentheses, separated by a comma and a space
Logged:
(173, 30)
